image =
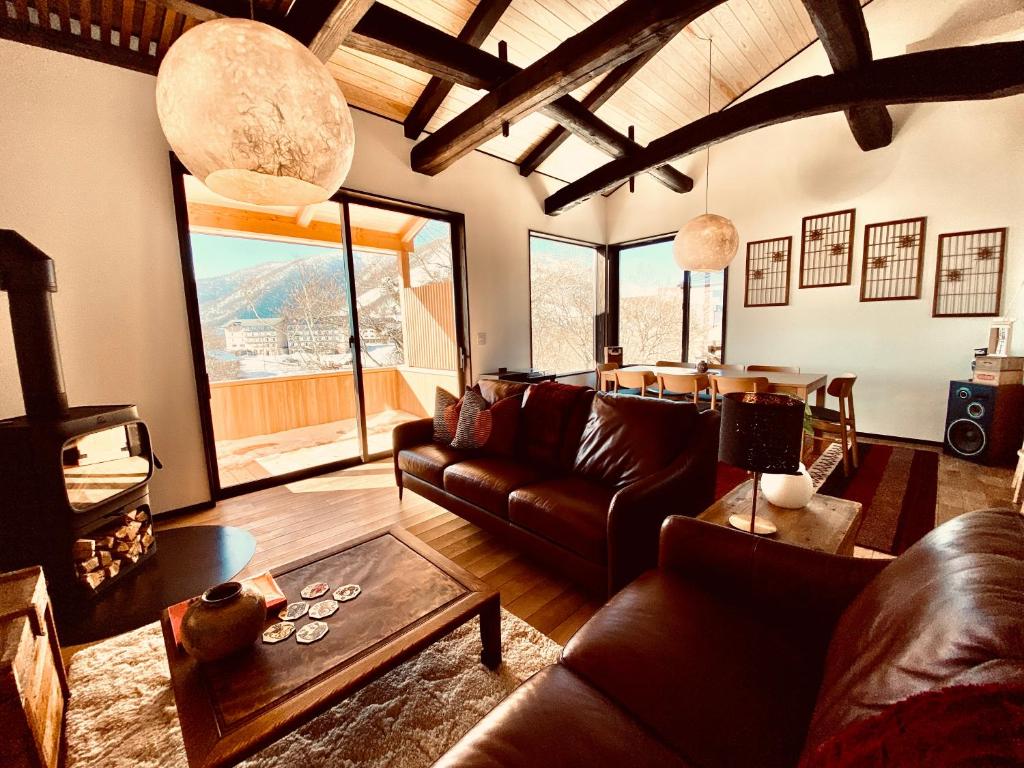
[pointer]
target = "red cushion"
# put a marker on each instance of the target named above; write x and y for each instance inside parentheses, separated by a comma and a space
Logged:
(964, 725)
(490, 429)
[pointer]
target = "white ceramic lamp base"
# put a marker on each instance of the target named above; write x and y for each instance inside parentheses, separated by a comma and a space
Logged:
(762, 527)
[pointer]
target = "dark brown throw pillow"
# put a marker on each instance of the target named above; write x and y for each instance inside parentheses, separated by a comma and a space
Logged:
(628, 438)
(495, 390)
(446, 416)
(489, 429)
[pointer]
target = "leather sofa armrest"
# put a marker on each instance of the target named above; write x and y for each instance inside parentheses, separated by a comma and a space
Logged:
(809, 584)
(406, 435)
(686, 487)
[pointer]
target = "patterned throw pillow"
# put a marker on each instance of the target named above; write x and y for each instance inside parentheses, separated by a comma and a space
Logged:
(446, 416)
(492, 429)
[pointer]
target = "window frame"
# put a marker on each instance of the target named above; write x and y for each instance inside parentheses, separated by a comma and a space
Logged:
(614, 255)
(601, 284)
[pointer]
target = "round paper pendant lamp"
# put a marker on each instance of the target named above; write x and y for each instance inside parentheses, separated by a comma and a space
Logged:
(254, 115)
(706, 243)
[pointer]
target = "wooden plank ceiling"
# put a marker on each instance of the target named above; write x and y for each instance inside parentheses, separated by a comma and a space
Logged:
(751, 39)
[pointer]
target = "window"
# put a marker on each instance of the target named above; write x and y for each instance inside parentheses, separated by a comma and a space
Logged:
(563, 304)
(665, 313)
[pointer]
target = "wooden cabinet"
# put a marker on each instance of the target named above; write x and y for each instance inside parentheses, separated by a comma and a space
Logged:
(33, 686)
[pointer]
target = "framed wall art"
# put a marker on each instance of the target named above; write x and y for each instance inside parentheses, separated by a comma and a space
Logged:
(826, 249)
(893, 260)
(969, 273)
(767, 283)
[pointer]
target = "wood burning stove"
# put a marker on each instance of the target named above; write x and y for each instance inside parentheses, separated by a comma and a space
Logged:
(74, 482)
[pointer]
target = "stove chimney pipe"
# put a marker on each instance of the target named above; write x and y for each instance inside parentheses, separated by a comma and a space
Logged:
(28, 277)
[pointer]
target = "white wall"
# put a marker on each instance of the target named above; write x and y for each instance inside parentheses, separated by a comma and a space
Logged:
(959, 164)
(85, 177)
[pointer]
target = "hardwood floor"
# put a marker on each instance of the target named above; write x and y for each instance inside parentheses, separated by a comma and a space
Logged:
(299, 518)
(296, 519)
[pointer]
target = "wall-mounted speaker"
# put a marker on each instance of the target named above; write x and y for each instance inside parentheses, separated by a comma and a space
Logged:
(984, 424)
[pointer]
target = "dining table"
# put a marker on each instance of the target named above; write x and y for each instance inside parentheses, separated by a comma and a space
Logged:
(800, 385)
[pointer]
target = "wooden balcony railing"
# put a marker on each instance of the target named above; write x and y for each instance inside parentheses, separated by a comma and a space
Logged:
(250, 407)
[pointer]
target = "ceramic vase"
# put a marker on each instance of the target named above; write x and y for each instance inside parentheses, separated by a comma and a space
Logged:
(226, 619)
(788, 491)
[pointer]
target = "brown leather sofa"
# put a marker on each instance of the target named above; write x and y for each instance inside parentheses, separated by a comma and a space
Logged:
(740, 651)
(589, 483)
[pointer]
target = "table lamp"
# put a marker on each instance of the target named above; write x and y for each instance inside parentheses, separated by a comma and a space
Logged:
(761, 432)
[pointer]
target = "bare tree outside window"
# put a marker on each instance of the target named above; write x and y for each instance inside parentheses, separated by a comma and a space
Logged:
(563, 303)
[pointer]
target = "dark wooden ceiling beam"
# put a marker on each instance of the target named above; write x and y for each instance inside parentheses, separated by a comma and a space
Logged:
(969, 73)
(323, 24)
(629, 30)
(75, 45)
(476, 29)
(603, 91)
(397, 37)
(844, 35)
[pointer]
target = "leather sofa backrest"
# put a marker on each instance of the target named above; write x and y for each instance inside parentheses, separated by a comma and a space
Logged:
(628, 438)
(493, 390)
(948, 611)
(551, 421)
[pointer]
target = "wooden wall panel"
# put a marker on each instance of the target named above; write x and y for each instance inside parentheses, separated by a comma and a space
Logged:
(430, 326)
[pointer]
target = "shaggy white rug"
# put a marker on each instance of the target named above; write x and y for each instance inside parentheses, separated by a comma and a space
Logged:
(122, 712)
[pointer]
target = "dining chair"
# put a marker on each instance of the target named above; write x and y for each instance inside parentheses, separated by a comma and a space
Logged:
(774, 368)
(725, 367)
(671, 364)
(723, 385)
(633, 382)
(838, 426)
(602, 368)
(686, 387)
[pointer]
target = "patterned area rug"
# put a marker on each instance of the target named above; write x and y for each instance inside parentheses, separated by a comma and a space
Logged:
(897, 486)
(122, 712)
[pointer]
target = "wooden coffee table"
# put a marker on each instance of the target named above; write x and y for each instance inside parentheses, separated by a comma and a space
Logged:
(411, 596)
(826, 524)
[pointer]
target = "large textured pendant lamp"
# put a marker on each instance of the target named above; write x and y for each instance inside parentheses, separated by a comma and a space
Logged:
(708, 242)
(254, 115)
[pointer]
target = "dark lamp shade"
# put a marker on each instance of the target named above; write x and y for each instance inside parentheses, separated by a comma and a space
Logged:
(761, 432)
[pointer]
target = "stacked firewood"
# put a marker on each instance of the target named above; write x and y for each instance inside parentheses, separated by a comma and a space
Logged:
(117, 546)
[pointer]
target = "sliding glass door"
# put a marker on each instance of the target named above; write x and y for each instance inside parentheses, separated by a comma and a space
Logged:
(316, 330)
(665, 313)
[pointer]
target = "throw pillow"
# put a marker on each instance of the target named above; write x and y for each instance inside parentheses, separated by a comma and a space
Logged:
(446, 416)
(963, 725)
(494, 390)
(490, 429)
(629, 438)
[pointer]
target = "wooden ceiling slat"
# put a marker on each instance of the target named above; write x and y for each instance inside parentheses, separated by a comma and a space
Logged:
(106, 19)
(64, 15)
(166, 33)
(147, 29)
(43, 13)
(20, 11)
(84, 17)
(127, 22)
(773, 44)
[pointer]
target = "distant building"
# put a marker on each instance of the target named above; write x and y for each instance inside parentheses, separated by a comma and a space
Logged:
(255, 337)
(328, 335)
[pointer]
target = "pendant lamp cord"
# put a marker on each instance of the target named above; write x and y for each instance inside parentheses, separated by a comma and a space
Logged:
(252, 10)
(707, 160)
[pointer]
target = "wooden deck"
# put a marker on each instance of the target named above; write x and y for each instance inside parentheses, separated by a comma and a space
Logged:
(295, 520)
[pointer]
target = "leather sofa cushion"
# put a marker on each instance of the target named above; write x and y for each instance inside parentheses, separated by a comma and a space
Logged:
(552, 417)
(569, 511)
(715, 679)
(428, 461)
(948, 611)
(629, 438)
(487, 482)
(554, 719)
